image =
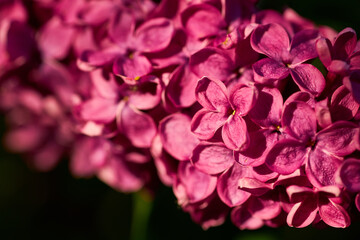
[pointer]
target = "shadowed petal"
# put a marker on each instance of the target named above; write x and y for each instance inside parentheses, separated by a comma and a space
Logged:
(299, 193)
(181, 88)
(243, 99)
(321, 168)
(308, 78)
(345, 43)
(303, 45)
(198, 185)
(212, 158)
(357, 201)
(89, 59)
(338, 138)
(212, 63)
(334, 215)
(146, 93)
(202, 20)
(98, 109)
(176, 136)
(121, 27)
(343, 106)
(268, 108)
(352, 83)
(133, 67)
(120, 175)
(234, 133)
(271, 40)
(254, 186)
(267, 70)
(324, 49)
(265, 207)
(227, 186)
(260, 144)
(139, 127)
(299, 121)
(302, 214)
(55, 39)
(243, 219)
(205, 123)
(350, 174)
(154, 35)
(212, 94)
(286, 156)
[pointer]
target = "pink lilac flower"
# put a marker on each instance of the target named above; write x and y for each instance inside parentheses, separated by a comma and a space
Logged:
(341, 56)
(320, 151)
(309, 203)
(123, 103)
(223, 110)
(203, 95)
(285, 57)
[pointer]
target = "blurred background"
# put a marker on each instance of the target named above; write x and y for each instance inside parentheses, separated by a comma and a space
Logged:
(55, 205)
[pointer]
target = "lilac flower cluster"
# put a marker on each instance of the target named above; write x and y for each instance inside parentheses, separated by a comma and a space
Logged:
(248, 113)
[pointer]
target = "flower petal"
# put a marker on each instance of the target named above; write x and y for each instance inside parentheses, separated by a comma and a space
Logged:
(154, 35)
(234, 133)
(243, 219)
(303, 45)
(227, 186)
(55, 39)
(268, 108)
(212, 94)
(121, 175)
(146, 93)
(345, 43)
(308, 78)
(338, 138)
(98, 110)
(181, 88)
(324, 49)
(352, 82)
(176, 136)
(198, 185)
(343, 106)
(89, 156)
(334, 215)
(265, 207)
(271, 40)
(302, 214)
(202, 20)
(212, 158)
(321, 168)
(299, 121)
(139, 127)
(267, 70)
(212, 63)
(132, 67)
(286, 156)
(349, 173)
(243, 99)
(121, 27)
(261, 142)
(205, 123)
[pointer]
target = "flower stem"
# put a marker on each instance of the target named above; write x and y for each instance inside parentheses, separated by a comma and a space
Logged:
(142, 206)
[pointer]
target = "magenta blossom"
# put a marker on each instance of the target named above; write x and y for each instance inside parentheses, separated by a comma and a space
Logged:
(286, 58)
(321, 151)
(309, 202)
(223, 110)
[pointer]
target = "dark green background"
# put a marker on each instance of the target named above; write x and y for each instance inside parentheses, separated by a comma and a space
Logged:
(55, 205)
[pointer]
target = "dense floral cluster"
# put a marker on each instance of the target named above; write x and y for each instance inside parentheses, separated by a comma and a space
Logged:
(243, 112)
